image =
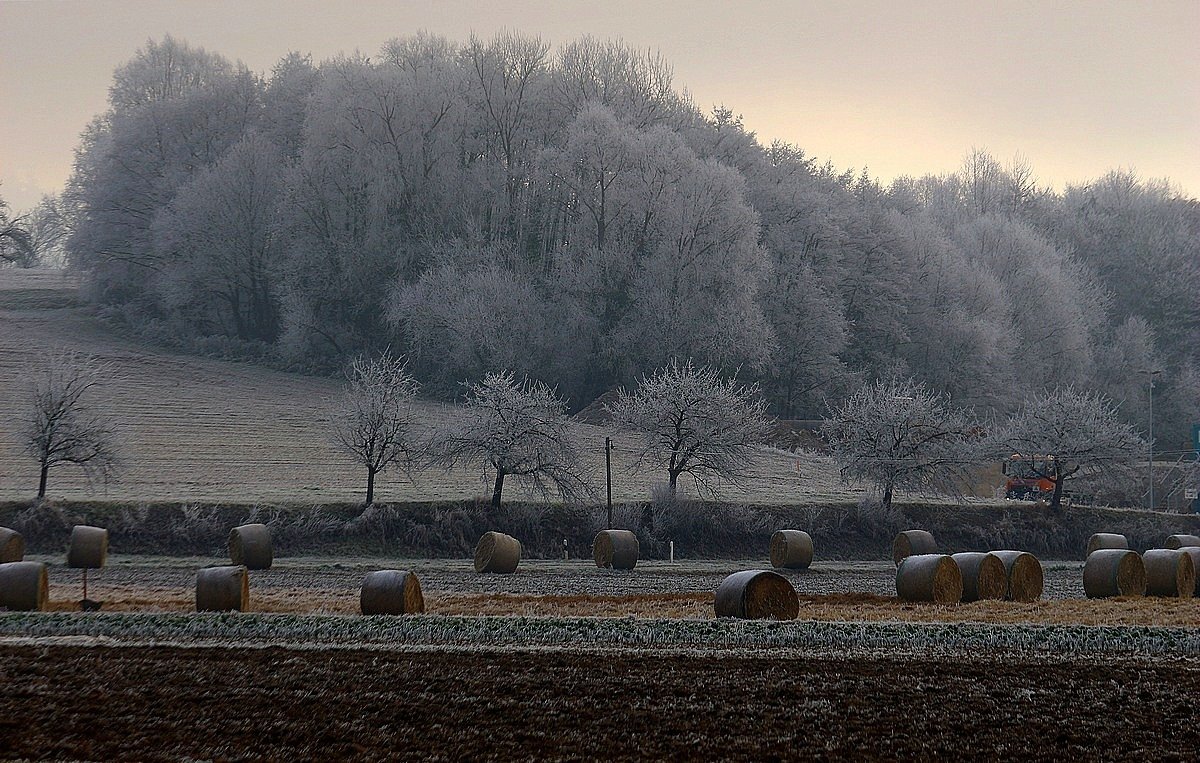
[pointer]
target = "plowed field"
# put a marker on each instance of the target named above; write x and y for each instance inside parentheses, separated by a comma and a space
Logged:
(167, 703)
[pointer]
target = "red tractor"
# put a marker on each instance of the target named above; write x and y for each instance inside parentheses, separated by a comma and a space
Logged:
(1029, 478)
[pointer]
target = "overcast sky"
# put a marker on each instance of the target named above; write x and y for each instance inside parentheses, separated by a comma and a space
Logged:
(899, 87)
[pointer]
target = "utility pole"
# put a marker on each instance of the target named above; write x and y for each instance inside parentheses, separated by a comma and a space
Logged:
(1150, 374)
(608, 475)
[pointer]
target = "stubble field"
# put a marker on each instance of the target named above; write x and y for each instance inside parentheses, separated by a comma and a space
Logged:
(828, 591)
(212, 430)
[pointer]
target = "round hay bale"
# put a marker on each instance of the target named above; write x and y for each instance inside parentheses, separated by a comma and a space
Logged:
(913, 542)
(791, 549)
(1106, 540)
(391, 592)
(250, 547)
(616, 549)
(497, 552)
(1194, 552)
(1169, 572)
(1023, 572)
(1181, 541)
(24, 586)
(929, 577)
(757, 595)
(89, 547)
(1112, 572)
(12, 546)
(223, 589)
(983, 575)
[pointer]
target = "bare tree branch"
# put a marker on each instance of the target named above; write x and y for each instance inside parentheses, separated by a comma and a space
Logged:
(519, 429)
(373, 420)
(62, 428)
(693, 422)
(896, 433)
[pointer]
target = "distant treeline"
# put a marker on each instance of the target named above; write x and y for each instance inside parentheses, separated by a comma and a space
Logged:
(572, 215)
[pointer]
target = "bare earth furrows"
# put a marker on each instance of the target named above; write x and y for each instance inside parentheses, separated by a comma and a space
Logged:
(151, 702)
(202, 429)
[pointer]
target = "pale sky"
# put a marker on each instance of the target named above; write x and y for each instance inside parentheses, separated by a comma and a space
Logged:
(899, 87)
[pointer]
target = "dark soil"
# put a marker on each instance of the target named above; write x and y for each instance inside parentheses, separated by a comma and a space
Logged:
(227, 703)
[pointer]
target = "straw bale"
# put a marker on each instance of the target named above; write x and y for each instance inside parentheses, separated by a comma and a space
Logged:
(1114, 572)
(757, 595)
(1024, 574)
(223, 589)
(1194, 552)
(89, 547)
(616, 549)
(1106, 540)
(497, 552)
(12, 545)
(250, 547)
(24, 586)
(391, 592)
(929, 577)
(983, 575)
(791, 549)
(1169, 572)
(1180, 541)
(910, 542)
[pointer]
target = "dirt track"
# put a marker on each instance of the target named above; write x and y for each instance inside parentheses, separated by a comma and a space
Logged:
(209, 703)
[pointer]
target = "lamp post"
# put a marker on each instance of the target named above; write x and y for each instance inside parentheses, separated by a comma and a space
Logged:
(608, 475)
(1150, 374)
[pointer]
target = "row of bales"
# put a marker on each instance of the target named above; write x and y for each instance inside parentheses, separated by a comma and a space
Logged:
(24, 585)
(1113, 569)
(922, 574)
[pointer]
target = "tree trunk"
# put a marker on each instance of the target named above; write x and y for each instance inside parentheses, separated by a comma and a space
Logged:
(498, 489)
(42, 482)
(887, 497)
(1056, 497)
(370, 486)
(671, 484)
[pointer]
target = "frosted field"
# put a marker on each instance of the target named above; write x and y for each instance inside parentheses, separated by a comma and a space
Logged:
(201, 429)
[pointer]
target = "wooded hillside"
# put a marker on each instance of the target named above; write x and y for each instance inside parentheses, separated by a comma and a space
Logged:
(573, 215)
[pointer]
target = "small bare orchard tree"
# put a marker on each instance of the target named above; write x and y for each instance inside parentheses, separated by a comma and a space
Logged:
(62, 427)
(519, 430)
(373, 420)
(897, 434)
(693, 422)
(1066, 430)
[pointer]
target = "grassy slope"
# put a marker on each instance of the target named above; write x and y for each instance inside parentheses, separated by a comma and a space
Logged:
(212, 430)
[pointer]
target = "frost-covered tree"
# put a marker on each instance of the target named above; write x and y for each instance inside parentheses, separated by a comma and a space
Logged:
(518, 429)
(691, 421)
(219, 234)
(15, 243)
(459, 321)
(1066, 431)
(62, 424)
(49, 227)
(174, 110)
(896, 433)
(373, 421)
